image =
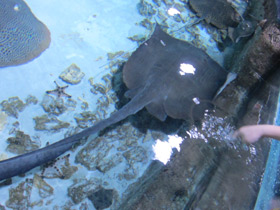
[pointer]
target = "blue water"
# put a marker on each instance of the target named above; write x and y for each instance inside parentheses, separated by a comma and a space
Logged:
(266, 192)
(83, 32)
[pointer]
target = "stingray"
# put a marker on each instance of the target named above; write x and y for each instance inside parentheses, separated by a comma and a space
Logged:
(244, 29)
(219, 13)
(166, 75)
(22, 36)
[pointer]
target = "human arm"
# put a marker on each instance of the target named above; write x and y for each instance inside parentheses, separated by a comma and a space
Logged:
(252, 133)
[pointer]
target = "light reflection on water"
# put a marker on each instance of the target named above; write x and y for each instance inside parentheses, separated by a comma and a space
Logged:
(163, 149)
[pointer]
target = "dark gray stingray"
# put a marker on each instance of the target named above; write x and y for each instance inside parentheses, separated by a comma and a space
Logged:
(159, 77)
(219, 13)
(22, 36)
(244, 29)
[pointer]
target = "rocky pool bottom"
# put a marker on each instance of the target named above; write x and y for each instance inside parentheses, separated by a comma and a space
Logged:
(209, 172)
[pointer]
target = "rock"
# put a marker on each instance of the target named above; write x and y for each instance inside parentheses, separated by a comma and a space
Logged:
(81, 188)
(112, 56)
(102, 198)
(136, 154)
(105, 86)
(3, 156)
(15, 128)
(45, 190)
(99, 155)
(49, 124)
(146, 23)
(66, 205)
(31, 100)
(86, 119)
(145, 9)
(70, 103)
(168, 2)
(157, 2)
(12, 106)
(129, 173)
(72, 74)
(52, 105)
(139, 38)
(21, 143)
(19, 197)
(57, 106)
(3, 120)
(59, 168)
(84, 105)
(137, 189)
(253, 62)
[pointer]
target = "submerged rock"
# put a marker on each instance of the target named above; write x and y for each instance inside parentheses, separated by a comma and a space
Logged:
(99, 155)
(129, 173)
(72, 74)
(49, 123)
(19, 197)
(45, 190)
(102, 198)
(157, 2)
(81, 189)
(21, 143)
(3, 120)
(12, 106)
(86, 119)
(136, 154)
(146, 23)
(59, 168)
(138, 38)
(52, 105)
(31, 100)
(145, 9)
(117, 54)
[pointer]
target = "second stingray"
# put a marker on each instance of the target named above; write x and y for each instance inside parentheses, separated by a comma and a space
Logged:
(166, 75)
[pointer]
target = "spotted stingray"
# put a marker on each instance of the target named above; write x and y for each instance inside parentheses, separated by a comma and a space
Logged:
(22, 36)
(166, 75)
(219, 13)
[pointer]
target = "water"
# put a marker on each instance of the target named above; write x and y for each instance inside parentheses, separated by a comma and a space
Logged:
(96, 36)
(271, 175)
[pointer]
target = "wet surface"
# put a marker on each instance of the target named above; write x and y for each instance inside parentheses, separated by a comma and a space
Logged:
(117, 170)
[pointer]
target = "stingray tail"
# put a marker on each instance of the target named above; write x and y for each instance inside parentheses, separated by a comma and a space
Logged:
(23, 163)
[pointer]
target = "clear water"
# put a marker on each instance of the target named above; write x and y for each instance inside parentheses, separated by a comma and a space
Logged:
(271, 175)
(83, 33)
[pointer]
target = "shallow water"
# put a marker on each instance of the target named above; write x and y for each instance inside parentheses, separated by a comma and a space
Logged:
(270, 180)
(94, 35)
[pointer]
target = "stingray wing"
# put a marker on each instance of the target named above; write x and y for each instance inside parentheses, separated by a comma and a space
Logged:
(195, 78)
(220, 13)
(142, 62)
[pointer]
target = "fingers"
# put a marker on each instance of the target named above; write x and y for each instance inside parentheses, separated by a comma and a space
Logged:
(238, 135)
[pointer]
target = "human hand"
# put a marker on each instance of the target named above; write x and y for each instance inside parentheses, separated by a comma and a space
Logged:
(249, 134)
